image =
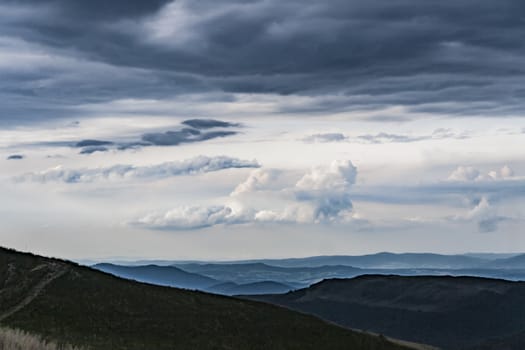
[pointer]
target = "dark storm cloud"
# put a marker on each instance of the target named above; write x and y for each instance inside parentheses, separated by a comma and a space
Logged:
(93, 149)
(491, 224)
(191, 133)
(173, 138)
(459, 57)
(15, 157)
(89, 143)
(208, 123)
(165, 138)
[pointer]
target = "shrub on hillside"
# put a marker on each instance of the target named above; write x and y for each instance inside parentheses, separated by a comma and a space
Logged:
(20, 340)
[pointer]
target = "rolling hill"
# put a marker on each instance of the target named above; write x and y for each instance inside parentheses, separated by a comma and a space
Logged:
(84, 307)
(263, 287)
(448, 312)
(295, 277)
(515, 262)
(160, 275)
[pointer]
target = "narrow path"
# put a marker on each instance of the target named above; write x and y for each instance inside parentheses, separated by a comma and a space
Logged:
(57, 270)
(408, 344)
(412, 345)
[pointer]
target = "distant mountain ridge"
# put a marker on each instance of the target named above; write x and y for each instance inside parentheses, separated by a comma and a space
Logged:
(204, 276)
(296, 277)
(384, 260)
(514, 262)
(377, 260)
(160, 275)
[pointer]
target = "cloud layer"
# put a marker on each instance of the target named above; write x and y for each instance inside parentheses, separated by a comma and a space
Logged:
(451, 58)
(384, 137)
(197, 165)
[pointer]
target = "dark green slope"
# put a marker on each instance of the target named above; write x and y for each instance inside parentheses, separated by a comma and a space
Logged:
(82, 306)
(448, 312)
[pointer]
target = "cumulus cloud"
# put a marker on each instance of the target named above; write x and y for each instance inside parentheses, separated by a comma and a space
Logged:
(495, 185)
(197, 165)
(188, 218)
(339, 175)
(257, 180)
(300, 214)
(327, 190)
(464, 173)
(469, 174)
(484, 214)
(321, 195)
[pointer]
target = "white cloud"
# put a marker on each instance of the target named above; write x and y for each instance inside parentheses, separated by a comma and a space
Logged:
(485, 215)
(322, 195)
(326, 137)
(196, 165)
(327, 190)
(504, 173)
(193, 218)
(339, 175)
(467, 174)
(463, 173)
(385, 137)
(301, 214)
(257, 180)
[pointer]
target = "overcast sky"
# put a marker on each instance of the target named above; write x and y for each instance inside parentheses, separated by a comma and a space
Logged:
(246, 129)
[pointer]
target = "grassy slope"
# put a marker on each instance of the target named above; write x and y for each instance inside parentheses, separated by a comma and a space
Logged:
(90, 308)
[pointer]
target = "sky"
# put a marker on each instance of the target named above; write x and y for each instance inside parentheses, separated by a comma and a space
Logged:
(237, 129)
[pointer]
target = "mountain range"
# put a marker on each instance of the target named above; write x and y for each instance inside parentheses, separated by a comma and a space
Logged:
(81, 306)
(260, 277)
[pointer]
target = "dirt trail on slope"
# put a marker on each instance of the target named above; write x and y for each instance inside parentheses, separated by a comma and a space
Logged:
(57, 270)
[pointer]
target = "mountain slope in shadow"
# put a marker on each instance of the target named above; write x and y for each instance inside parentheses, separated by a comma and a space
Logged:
(448, 312)
(81, 306)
